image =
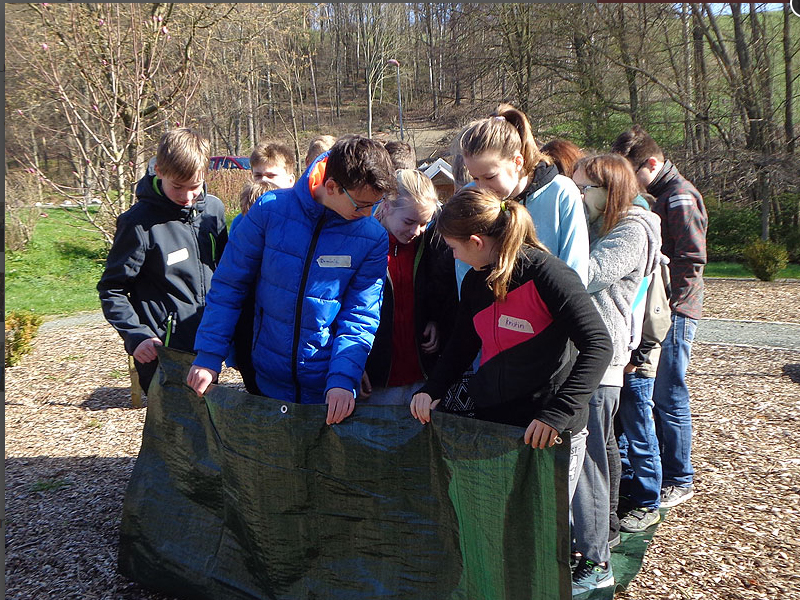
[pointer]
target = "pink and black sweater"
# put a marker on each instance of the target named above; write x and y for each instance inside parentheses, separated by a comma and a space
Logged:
(529, 368)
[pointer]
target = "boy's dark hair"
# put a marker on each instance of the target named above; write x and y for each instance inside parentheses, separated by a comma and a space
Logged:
(402, 154)
(637, 146)
(182, 153)
(272, 152)
(355, 161)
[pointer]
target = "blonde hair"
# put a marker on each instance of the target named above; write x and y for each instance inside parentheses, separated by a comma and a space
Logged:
(269, 153)
(413, 187)
(475, 211)
(505, 132)
(252, 191)
(317, 146)
(182, 154)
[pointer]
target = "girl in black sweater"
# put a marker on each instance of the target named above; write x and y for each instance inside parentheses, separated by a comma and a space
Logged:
(528, 313)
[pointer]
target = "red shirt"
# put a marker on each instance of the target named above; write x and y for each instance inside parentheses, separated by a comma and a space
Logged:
(405, 367)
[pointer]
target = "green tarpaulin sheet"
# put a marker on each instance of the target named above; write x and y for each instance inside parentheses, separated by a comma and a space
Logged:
(235, 496)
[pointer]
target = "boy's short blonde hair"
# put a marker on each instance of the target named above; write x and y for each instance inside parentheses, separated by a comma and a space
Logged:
(269, 153)
(252, 191)
(317, 146)
(182, 154)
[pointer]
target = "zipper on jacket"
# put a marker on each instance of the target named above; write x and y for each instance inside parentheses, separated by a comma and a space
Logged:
(170, 327)
(298, 309)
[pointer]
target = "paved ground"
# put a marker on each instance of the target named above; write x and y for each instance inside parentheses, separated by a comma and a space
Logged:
(756, 334)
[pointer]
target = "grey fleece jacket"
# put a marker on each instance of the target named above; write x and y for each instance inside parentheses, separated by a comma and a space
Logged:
(617, 263)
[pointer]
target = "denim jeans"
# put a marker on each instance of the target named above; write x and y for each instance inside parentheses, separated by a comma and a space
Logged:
(671, 401)
(639, 451)
(591, 503)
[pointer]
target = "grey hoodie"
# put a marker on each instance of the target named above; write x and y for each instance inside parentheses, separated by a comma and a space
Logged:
(617, 263)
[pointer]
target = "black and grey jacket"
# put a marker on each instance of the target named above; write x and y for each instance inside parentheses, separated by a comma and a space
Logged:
(160, 265)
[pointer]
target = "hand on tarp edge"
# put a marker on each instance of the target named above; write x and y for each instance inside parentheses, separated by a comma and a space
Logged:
(541, 435)
(421, 406)
(341, 403)
(200, 378)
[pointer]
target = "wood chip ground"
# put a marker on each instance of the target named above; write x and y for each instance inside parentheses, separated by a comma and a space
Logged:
(72, 438)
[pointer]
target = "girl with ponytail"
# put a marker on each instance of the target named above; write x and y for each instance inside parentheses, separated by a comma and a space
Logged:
(521, 307)
(502, 156)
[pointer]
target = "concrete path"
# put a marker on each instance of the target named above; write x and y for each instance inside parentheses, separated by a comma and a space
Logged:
(759, 334)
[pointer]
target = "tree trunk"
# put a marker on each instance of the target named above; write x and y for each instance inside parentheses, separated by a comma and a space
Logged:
(314, 87)
(369, 107)
(788, 120)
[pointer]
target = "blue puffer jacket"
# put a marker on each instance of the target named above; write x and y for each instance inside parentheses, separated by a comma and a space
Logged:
(319, 283)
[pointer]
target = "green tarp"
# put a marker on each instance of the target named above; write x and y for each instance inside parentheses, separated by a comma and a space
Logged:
(236, 496)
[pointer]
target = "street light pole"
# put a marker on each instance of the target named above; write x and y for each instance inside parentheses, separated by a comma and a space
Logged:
(396, 63)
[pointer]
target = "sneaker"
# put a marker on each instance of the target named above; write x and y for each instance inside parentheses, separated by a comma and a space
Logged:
(639, 519)
(614, 540)
(590, 576)
(673, 495)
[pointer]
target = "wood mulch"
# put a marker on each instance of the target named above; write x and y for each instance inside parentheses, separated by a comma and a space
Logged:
(72, 438)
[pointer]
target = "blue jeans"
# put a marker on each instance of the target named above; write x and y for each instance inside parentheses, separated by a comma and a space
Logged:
(638, 448)
(671, 402)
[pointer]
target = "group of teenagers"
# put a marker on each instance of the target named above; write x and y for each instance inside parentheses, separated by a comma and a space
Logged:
(553, 291)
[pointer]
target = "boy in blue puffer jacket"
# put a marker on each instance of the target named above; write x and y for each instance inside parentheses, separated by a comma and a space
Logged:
(318, 267)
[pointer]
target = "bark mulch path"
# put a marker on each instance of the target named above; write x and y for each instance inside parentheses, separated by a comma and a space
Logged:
(72, 438)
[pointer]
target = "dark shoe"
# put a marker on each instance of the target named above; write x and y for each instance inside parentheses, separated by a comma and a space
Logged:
(613, 540)
(672, 495)
(574, 560)
(639, 519)
(590, 576)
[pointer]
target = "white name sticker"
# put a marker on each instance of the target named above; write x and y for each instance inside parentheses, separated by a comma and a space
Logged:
(333, 261)
(515, 324)
(177, 256)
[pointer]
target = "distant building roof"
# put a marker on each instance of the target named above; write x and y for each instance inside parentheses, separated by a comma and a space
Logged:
(439, 169)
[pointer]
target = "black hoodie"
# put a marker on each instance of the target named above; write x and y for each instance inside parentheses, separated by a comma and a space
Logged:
(159, 268)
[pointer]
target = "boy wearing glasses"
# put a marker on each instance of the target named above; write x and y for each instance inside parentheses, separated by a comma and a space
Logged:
(683, 231)
(318, 267)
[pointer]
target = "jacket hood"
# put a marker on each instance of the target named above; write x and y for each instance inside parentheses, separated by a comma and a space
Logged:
(541, 176)
(652, 226)
(149, 191)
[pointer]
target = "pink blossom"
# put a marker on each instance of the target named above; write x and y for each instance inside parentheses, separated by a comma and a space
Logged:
(160, 18)
(31, 170)
(177, 123)
(164, 30)
(94, 106)
(19, 111)
(44, 46)
(100, 22)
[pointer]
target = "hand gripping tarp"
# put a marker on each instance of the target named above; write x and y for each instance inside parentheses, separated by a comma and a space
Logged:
(235, 496)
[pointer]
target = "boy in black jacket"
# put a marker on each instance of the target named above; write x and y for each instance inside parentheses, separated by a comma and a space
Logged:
(165, 250)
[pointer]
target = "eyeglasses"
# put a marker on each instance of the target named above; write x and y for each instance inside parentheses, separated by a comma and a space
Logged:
(643, 163)
(582, 188)
(358, 206)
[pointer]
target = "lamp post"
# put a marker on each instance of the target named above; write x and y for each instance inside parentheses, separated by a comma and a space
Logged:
(396, 63)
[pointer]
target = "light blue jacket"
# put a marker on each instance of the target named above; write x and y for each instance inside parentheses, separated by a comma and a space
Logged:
(558, 215)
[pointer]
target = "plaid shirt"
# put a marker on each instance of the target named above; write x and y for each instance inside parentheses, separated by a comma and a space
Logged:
(683, 230)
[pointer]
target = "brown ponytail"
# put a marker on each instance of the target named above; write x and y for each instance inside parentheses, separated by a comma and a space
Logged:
(474, 211)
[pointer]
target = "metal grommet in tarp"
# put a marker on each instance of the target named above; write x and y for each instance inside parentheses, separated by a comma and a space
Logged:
(284, 409)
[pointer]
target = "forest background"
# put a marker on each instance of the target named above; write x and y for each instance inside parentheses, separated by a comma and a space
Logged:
(91, 87)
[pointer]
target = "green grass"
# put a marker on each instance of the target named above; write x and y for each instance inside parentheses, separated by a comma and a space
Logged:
(58, 271)
(738, 270)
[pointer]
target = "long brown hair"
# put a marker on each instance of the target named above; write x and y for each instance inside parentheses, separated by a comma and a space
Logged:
(506, 132)
(564, 154)
(474, 211)
(616, 174)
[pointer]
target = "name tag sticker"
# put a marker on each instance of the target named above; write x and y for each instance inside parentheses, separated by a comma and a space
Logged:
(515, 324)
(177, 256)
(334, 261)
